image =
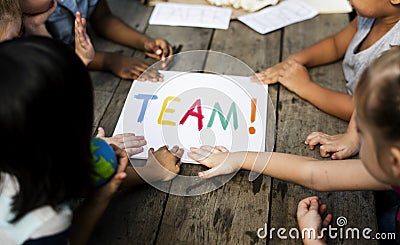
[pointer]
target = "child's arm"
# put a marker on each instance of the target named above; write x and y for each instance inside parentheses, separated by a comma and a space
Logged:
(83, 46)
(295, 77)
(329, 49)
(87, 215)
(323, 52)
(108, 25)
(309, 172)
(339, 146)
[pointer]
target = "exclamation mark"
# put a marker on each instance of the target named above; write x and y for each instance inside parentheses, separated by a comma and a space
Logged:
(252, 130)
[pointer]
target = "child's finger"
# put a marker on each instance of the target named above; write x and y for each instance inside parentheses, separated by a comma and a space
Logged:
(221, 148)
(153, 55)
(199, 158)
(180, 152)
(174, 149)
(122, 157)
(78, 16)
(341, 154)
(170, 51)
(302, 208)
(100, 132)
(326, 150)
(199, 151)
(311, 136)
(120, 176)
(202, 152)
(306, 202)
(116, 181)
(314, 205)
(83, 22)
(322, 209)
(195, 156)
(151, 151)
(134, 142)
(207, 148)
(327, 220)
(209, 173)
(134, 151)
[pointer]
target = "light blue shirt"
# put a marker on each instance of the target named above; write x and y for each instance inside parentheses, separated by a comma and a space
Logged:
(62, 22)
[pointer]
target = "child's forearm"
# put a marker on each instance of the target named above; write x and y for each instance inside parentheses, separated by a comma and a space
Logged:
(311, 173)
(102, 61)
(111, 27)
(333, 48)
(312, 56)
(329, 101)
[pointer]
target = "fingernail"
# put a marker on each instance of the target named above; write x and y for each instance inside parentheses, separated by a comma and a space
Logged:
(201, 174)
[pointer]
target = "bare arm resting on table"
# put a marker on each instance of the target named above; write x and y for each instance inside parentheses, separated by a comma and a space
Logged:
(314, 174)
(292, 73)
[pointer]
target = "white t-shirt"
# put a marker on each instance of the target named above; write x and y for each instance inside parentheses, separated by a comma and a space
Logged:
(41, 222)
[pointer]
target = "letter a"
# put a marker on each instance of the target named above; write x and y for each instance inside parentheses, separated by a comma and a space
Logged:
(198, 114)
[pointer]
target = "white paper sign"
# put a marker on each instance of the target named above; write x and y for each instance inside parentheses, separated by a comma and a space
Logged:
(194, 109)
(275, 17)
(176, 14)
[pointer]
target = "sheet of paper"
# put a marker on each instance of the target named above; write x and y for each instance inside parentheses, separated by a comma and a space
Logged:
(176, 14)
(331, 6)
(281, 15)
(194, 109)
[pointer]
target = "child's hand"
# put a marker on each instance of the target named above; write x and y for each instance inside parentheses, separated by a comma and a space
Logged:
(131, 68)
(158, 48)
(215, 158)
(294, 76)
(270, 75)
(161, 165)
(309, 212)
(83, 46)
(337, 147)
(105, 193)
(131, 143)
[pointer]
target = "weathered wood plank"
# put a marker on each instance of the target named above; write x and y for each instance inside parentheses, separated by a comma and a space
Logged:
(218, 217)
(134, 217)
(101, 101)
(105, 83)
(297, 119)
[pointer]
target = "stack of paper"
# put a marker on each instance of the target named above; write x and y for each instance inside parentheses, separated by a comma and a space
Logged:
(285, 13)
(175, 14)
(248, 5)
(331, 6)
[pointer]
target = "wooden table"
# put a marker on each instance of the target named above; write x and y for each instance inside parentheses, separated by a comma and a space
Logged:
(233, 213)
